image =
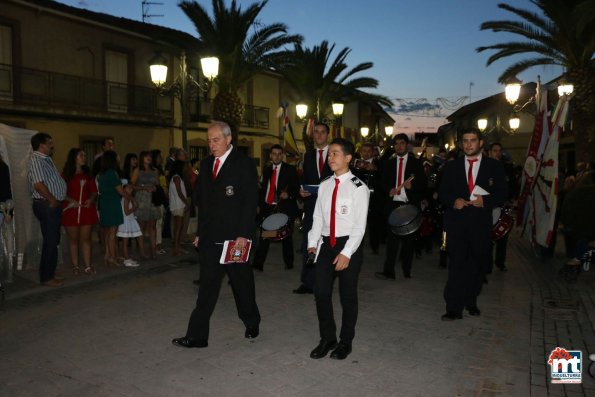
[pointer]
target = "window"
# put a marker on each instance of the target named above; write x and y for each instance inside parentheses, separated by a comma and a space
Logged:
(6, 86)
(116, 76)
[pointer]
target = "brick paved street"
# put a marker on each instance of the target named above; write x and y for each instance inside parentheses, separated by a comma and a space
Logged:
(110, 335)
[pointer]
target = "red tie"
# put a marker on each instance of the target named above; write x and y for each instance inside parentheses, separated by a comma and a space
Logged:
(333, 240)
(272, 186)
(216, 168)
(470, 182)
(320, 162)
(400, 172)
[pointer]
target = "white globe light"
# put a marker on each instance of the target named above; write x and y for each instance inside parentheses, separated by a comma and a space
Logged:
(301, 110)
(364, 131)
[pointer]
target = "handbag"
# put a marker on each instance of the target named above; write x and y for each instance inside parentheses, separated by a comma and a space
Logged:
(158, 197)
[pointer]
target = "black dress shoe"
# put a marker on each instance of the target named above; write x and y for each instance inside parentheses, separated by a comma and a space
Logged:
(323, 348)
(251, 333)
(257, 267)
(341, 352)
(451, 316)
(302, 289)
(196, 282)
(384, 276)
(473, 311)
(287, 267)
(407, 275)
(189, 342)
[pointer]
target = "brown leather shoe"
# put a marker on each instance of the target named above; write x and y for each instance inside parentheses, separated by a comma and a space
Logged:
(57, 277)
(52, 283)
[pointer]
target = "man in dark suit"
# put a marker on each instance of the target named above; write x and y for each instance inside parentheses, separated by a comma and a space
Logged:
(471, 187)
(280, 187)
(369, 170)
(405, 181)
(315, 169)
(227, 211)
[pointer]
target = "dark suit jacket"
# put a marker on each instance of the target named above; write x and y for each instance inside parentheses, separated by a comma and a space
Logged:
(227, 206)
(310, 177)
(453, 185)
(288, 182)
(419, 184)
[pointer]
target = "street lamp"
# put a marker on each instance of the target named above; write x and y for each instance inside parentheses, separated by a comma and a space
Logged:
(482, 124)
(301, 110)
(338, 109)
(179, 88)
(565, 88)
(364, 131)
(514, 123)
(512, 90)
(388, 130)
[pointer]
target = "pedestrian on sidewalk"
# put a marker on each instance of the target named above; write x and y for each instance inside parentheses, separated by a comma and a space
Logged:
(130, 227)
(48, 191)
(178, 205)
(79, 213)
(471, 187)
(339, 224)
(227, 200)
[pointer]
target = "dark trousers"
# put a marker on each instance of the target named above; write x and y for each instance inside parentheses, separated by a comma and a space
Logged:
(469, 256)
(211, 275)
(49, 221)
(307, 275)
(499, 259)
(263, 250)
(263, 244)
(392, 246)
(323, 292)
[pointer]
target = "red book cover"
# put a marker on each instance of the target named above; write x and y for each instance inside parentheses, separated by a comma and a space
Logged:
(231, 255)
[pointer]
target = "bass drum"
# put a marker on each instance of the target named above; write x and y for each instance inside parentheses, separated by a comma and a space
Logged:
(276, 227)
(501, 222)
(405, 220)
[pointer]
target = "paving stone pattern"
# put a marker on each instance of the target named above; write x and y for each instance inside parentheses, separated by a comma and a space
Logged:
(109, 335)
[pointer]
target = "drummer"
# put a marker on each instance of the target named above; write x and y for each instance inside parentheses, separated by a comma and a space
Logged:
(495, 152)
(405, 181)
(279, 189)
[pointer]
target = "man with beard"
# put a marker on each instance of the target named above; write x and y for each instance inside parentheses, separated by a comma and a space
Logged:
(471, 187)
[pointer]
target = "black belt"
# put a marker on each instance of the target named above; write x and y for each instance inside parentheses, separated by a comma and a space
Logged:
(327, 239)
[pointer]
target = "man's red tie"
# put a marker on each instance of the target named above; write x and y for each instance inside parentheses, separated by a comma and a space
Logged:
(272, 186)
(333, 240)
(400, 172)
(320, 161)
(216, 168)
(470, 181)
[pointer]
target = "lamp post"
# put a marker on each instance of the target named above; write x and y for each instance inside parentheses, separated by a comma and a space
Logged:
(364, 131)
(180, 87)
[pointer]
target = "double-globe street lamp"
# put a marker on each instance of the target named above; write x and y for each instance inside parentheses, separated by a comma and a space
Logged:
(512, 91)
(183, 84)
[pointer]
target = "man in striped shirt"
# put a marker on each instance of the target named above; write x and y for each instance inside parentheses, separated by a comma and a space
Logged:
(48, 190)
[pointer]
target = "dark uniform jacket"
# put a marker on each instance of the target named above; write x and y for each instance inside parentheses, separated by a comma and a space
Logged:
(288, 182)
(227, 205)
(413, 167)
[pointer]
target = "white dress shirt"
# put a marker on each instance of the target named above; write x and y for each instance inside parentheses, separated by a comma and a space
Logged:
(222, 159)
(351, 212)
(278, 167)
(324, 154)
(402, 196)
(475, 170)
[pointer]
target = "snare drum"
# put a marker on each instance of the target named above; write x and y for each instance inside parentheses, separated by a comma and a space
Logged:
(501, 223)
(276, 227)
(405, 220)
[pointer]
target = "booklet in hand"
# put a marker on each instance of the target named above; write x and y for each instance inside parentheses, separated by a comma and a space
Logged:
(312, 189)
(232, 255)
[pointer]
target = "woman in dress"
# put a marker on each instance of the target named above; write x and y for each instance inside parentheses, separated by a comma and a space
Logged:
(178, 204)
(78, 209)
(110, 208)
(158, 164)
(145, 179)
(130, 164)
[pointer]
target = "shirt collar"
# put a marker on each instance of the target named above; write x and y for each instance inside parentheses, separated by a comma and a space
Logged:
(478, 158)
(39, 154)
(225, 155)
(344, 177)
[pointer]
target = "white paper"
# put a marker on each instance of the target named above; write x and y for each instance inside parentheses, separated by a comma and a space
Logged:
(478, 191)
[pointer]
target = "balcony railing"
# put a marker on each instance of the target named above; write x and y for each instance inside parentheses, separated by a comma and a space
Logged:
(51, 90)
(255, 117)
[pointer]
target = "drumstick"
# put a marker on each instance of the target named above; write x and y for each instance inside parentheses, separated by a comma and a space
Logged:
(412, 177)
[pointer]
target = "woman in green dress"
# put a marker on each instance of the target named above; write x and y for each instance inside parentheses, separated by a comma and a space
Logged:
(110, 208)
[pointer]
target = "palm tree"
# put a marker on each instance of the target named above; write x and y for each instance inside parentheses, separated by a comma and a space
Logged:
(564, 35)
(318, 82)
(244, 47)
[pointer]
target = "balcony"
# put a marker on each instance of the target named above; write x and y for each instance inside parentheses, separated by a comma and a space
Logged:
(30, 89)
(255, 117)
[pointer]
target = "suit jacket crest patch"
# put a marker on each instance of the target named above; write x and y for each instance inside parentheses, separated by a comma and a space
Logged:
(229, 191)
